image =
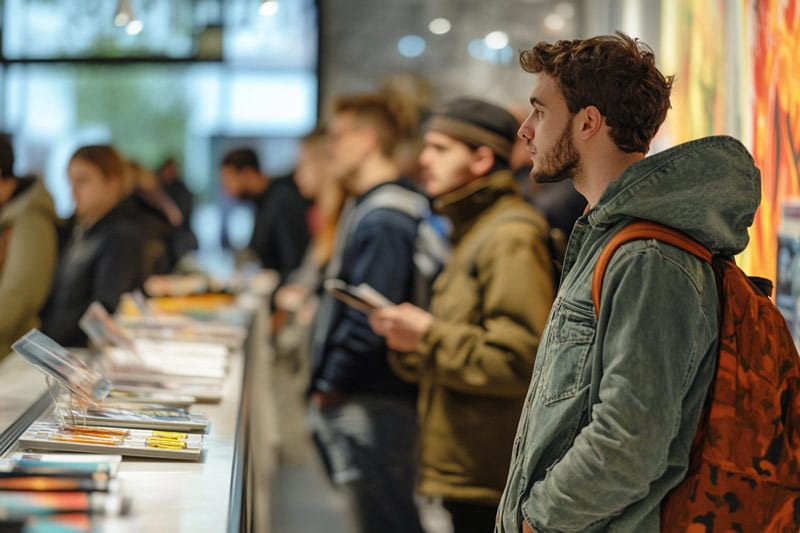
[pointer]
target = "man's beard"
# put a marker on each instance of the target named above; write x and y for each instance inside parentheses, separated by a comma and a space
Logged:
(561, 162)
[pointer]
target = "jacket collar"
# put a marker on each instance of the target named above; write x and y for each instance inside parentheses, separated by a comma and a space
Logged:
(465, 204)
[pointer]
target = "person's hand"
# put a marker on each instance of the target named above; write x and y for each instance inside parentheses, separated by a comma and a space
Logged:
(526, 528)
(290, 297)
(403, 325)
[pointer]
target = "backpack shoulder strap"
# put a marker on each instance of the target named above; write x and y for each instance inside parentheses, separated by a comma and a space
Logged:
(391, 196)
(642, 230)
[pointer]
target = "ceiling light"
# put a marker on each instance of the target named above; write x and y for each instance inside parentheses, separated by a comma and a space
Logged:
(268, 8)
(134, 27)
(496, 40)
(439, 26)
(554, 22)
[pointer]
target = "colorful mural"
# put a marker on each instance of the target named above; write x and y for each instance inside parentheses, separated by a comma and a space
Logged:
(776, 120)
(693, 49)
(737, 70)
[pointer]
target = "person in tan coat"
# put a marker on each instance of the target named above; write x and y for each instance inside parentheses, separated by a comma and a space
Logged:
(28, 249)
(473, 352)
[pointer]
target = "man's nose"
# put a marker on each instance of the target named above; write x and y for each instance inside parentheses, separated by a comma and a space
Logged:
(524, 132)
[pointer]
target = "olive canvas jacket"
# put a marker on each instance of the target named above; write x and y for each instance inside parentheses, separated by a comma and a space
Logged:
(614, 402)
(473, 365)
(29, 249)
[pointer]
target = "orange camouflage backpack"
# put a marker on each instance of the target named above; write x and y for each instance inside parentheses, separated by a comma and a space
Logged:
(744, 467)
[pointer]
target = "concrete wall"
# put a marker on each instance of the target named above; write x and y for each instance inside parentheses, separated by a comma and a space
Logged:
(358, 44)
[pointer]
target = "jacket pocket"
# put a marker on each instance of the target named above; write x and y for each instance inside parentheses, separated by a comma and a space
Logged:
(571, 336)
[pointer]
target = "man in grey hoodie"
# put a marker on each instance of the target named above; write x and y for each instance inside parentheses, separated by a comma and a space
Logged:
(28, 249)
(614, 402)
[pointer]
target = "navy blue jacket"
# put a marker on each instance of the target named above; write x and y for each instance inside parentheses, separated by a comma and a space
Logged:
(379, 252)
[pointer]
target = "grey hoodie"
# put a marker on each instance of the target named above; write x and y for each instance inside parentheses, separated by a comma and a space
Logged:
(614, 402)
(30, 259)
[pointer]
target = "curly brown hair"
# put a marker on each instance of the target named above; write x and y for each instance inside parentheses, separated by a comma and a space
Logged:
(614, 73)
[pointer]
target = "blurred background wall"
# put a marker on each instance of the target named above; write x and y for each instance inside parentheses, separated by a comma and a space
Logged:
(191, 78)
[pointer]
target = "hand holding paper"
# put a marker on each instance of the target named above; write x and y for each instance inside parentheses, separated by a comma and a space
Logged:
(403, 325)
(361, 297)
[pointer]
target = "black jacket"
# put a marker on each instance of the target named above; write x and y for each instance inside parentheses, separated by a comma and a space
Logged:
(280, 229)
(99, 264)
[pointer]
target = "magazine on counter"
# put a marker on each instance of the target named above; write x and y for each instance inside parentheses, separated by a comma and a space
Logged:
(201, 391)
(124, 398)
(154, 444)
(145, 416)
(61, 462)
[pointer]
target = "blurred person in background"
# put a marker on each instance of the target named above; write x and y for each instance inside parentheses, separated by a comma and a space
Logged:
(183, 239)
(296, 301)
(280, 227)
(28, 249)
(473, 353)
(363, 415)
(102, 256)
(157, 217)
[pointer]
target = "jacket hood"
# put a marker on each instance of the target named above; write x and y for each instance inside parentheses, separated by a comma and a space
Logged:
(34, 198)
(709, 189)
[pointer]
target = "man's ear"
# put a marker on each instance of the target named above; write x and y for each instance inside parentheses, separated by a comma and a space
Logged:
(591, 121)
(482, 161)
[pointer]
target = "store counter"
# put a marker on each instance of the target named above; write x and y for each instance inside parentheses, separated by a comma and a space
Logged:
(227, 490)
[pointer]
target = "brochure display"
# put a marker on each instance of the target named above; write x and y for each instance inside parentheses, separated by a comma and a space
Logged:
(62, 492)
(59, 364)
(48, 436)
(146, 416)
(82, 407)
(172, 476)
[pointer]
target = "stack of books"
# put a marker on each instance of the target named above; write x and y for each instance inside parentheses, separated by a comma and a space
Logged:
(61, 492)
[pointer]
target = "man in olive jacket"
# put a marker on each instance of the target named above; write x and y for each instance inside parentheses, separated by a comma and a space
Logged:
(473, 353)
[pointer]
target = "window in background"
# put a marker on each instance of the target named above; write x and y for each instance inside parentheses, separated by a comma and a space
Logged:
(199, 76)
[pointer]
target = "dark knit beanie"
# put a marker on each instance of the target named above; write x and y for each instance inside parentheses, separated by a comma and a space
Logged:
(476, 123)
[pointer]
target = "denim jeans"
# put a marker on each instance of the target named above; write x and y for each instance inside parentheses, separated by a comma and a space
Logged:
(368, 443)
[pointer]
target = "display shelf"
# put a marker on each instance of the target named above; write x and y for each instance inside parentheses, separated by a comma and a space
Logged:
(221, 492)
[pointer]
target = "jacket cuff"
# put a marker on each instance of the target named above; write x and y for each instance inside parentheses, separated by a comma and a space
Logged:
(431, 339)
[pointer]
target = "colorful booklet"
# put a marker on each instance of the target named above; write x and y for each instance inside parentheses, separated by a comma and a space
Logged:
(61, 462)
(155, 444)
(146, 417)
(63, 481)
(17, 504)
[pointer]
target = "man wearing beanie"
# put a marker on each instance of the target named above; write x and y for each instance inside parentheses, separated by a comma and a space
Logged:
(473, 352)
